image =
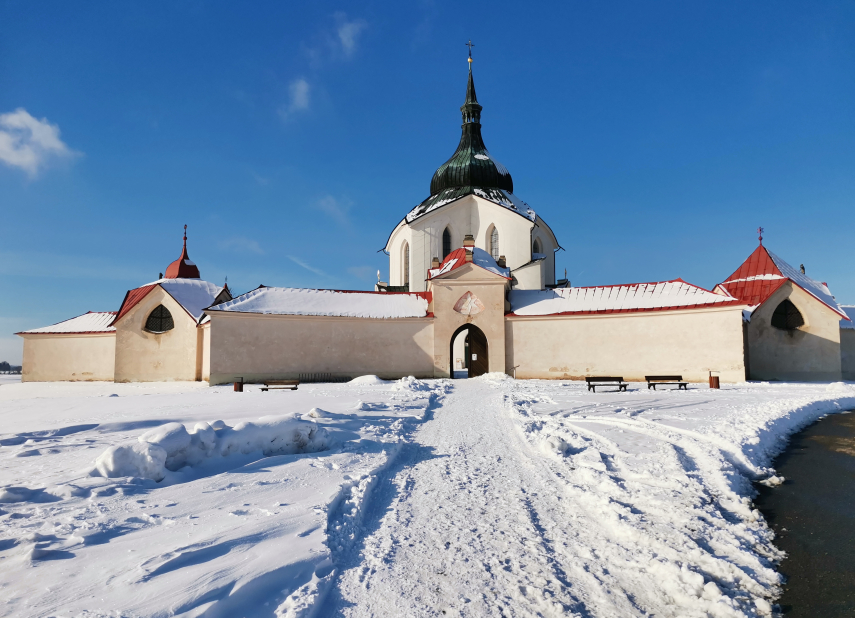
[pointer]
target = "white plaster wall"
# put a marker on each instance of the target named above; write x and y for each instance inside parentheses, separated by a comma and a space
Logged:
(847, 353)
(810, 353)
(446, 291)
(142, 356)
(468, 215)
(689, 343)
(206, 352)
(257, 346)
(67, 357)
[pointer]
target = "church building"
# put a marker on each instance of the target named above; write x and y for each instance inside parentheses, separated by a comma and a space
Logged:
(472, 289)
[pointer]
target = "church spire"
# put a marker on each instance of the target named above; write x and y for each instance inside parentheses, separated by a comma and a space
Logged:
(470, 109)
(471, 165)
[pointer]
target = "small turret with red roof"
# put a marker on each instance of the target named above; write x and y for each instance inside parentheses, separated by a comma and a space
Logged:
(183, 268)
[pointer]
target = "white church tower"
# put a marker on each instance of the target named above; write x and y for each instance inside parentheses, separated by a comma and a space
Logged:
(472, 193)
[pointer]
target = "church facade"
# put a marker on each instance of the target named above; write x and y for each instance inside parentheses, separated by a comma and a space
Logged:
(472, 289)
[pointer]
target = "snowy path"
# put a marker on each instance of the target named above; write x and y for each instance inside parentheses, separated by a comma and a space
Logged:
(512, 503)
(464, 533)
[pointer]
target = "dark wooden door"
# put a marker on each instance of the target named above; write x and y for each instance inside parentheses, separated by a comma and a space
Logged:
(478, 364)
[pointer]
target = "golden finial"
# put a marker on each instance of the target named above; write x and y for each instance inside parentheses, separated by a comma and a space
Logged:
(470, 45)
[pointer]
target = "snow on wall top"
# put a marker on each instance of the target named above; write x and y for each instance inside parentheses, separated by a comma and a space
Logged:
(617, 298)
(491, 194)
(850, 311)
(92, 322)
(297, 301)
(457, 258)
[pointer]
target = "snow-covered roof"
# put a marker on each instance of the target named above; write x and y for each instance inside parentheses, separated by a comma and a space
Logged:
(457, 258)
(659, 296)
(298, 301)
(764, 272)
(194, 295)
(491, 194)
(92, 322)
(850, 311)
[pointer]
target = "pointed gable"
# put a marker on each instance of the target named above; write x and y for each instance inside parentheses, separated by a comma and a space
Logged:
(764, 272)
(194, 295)
(457, 258)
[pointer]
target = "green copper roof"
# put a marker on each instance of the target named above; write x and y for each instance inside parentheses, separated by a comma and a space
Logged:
(471, 165)
(471, 170)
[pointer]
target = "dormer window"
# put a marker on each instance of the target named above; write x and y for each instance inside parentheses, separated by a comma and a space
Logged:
(159, 320)
(787, 317)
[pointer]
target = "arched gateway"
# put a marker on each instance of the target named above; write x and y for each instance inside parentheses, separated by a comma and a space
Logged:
(477, 360)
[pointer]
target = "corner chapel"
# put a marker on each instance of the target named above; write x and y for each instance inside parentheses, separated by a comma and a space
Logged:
(472, 290)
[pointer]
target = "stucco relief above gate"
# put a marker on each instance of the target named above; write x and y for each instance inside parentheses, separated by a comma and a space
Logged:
(469, 304)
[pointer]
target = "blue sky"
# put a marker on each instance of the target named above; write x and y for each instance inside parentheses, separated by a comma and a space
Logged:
(653, 137)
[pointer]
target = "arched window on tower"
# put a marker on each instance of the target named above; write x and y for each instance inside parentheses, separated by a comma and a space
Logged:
(446, 243)
(494, 243)
(159, 320)
(536, 247)
(406, 265)
(786, 316)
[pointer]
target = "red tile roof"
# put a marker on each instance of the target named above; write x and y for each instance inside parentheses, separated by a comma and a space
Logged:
(764, 272)
(132, 297)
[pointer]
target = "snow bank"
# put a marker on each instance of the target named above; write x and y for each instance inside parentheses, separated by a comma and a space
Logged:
(410, 384)
(368, 380)
(172, 446)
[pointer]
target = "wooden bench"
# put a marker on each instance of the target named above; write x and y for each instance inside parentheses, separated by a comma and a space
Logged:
(596, 381)
(652, 381)
(271, 385)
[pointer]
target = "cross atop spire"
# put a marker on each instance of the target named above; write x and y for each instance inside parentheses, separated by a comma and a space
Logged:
(470, 45)
(185, 235)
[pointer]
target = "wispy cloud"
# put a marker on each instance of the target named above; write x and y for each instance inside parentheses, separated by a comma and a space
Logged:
(365, 273)
(338, 43)
(337, 210)
(28, 143)
(299, 95)
(308, 267)
(241, 244)
(348, 32)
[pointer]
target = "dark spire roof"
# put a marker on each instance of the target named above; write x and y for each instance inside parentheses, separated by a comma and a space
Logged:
(471, 165)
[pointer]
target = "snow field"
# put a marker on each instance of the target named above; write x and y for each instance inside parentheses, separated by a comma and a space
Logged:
(481, 497)
(234, 527)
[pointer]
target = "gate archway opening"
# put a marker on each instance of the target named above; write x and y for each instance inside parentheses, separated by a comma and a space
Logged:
(468, 352)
